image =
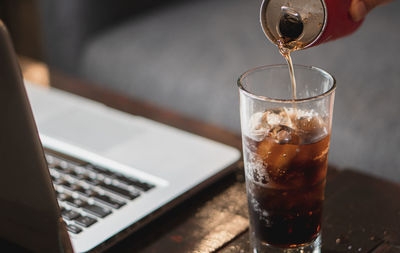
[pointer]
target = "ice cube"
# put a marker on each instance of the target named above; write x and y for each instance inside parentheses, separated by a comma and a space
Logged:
(276, 157)
(262, 123)
(313, 152)
(258, 128)
(311, 128)
(279, 116)
(273, 117)
(283, 134)
(308, 124)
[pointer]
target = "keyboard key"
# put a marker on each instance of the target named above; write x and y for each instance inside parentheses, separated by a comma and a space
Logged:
(85, 221)
(92, 181)
(74, 229)
(146, 186)
(69, 186)
(75, 202)
(96, 210)
(87, 192)
(70, 214)
(77, 187)
(99, 170)
(125, 180)
(111, 202)
(63, 196)
(58, 168)
(77, 175)
(134, 182)
(119, 191)
(57, 179)
(61, 169)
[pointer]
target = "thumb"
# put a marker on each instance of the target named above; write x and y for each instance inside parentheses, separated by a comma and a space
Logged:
(360, 8)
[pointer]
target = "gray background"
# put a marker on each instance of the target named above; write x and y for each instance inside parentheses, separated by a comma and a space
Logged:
(187, 55)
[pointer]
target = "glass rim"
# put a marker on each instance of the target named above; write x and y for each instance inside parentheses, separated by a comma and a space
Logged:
(299, 100)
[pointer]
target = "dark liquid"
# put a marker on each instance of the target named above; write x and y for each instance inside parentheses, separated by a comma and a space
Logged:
(291, 73)
(290, 27)
(285, 49)
(288, 222)
(286, 190)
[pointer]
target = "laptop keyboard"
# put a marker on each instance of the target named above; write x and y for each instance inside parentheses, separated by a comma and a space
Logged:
(87, 193)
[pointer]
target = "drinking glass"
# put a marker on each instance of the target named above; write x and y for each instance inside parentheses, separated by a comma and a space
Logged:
(285, 148)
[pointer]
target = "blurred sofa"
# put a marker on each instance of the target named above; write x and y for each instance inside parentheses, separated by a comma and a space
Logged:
(187, 55)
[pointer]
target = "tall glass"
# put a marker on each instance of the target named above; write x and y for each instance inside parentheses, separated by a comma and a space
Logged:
(285, 147)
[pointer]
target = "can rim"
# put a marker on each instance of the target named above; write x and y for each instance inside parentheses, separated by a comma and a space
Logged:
(268, 34)
(323, 26)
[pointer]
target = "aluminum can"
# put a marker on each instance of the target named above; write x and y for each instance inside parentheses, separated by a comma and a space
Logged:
(323, 20)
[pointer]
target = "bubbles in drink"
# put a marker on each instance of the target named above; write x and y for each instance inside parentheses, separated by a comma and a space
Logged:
(286, 153)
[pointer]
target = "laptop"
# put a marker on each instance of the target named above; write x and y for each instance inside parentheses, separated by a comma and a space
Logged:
(78, 176)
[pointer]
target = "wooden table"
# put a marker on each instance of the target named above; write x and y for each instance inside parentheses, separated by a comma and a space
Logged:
(361, 212)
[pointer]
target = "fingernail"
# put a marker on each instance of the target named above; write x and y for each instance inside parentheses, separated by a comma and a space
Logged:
(358, 10)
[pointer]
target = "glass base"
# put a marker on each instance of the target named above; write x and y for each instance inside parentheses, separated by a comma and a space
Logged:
(261, 247)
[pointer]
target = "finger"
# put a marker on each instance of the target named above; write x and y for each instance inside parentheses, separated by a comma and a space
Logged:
(358, 10)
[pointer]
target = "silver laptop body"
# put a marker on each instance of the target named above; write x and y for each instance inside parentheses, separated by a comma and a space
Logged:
(172, 162)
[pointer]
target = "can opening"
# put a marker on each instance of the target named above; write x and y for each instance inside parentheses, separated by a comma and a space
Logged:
(290, 25)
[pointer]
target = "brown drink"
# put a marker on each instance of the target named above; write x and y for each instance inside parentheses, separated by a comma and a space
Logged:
(286, 154)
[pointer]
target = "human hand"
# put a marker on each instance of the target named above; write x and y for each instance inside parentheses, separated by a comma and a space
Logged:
(360, 8)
